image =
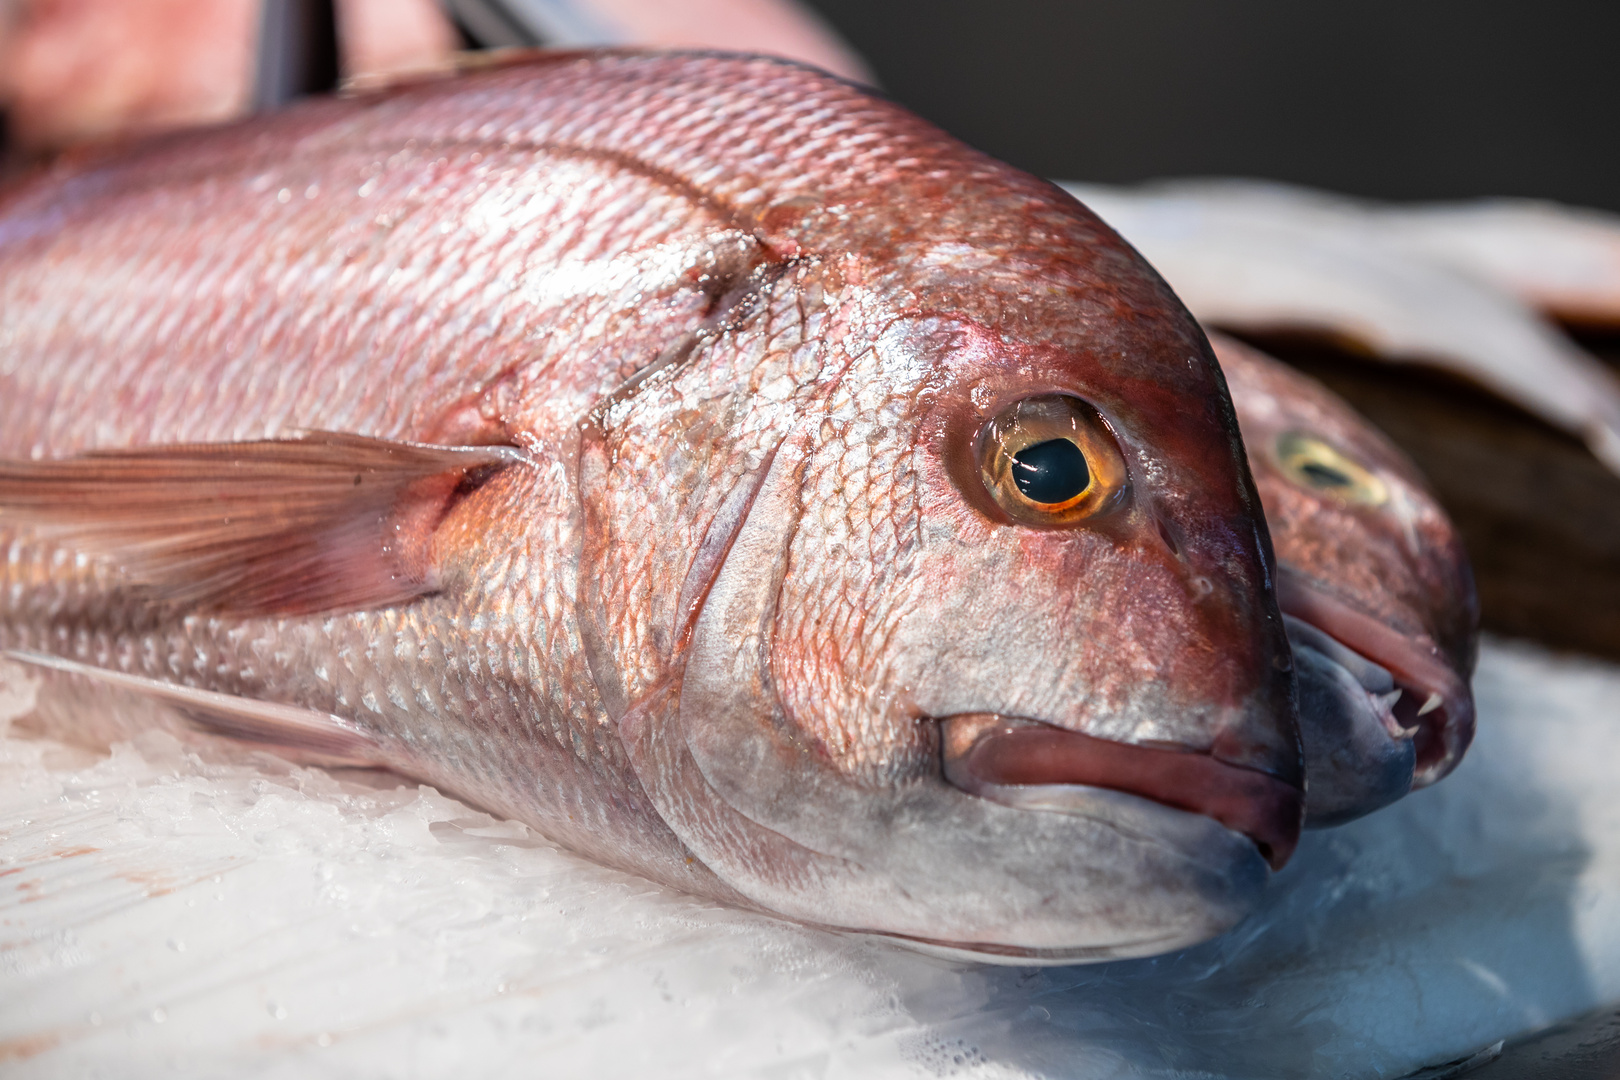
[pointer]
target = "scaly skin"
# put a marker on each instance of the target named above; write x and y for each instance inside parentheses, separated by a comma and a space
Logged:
(747, 322)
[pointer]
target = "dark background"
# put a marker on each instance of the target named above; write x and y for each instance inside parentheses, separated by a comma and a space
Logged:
(1399, 99)
(1395, 99)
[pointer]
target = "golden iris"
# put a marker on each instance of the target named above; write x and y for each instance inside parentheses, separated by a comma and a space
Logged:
(1319, 466)
(1050, 460)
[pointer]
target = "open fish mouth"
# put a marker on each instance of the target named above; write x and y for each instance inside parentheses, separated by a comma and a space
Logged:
(1359, 756)
(1035, 765)
(1426, 700)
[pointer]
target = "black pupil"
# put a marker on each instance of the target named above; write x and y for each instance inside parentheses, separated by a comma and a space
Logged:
(1050, 472)
(1325, 475)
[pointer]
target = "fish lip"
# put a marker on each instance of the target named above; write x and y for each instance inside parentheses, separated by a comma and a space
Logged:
(1415, 662)
(1358, 757)
(984, 752)
(1374, 680)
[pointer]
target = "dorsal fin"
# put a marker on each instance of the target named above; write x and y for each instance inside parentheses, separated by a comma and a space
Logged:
(326, 522)
(329, 739)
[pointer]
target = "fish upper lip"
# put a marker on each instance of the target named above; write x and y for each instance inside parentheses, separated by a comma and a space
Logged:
(986, 750)
(1437, 701)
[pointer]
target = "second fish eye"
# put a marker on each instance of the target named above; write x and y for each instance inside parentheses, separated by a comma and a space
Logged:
(1317, 465)
(1050, 460)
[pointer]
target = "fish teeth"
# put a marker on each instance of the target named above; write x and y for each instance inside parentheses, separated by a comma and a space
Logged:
(1434, 702)
(1386, 710)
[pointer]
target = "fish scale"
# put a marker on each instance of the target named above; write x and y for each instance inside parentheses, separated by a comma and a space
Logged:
(628, 542)
(857, 714)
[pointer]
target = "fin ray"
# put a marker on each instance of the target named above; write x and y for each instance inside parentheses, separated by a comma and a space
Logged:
(326, 522)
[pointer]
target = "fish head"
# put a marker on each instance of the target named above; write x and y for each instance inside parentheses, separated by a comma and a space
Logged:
(1095, 568)
(1375, 588)
(992, 659)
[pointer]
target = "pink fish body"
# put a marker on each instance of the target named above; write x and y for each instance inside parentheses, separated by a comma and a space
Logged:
(696, 457)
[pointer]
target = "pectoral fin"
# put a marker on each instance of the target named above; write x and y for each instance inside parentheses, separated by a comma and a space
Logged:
(327, 522)
(328, 739)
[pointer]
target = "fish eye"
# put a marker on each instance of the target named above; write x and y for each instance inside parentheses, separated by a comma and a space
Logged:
(1316, 465)
(1050, 460)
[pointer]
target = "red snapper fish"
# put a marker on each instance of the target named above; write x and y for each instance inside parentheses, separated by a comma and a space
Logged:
(1375, 587)
(696, 457)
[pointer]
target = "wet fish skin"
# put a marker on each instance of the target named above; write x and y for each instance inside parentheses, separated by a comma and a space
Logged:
(746, 323)
(1380, 573)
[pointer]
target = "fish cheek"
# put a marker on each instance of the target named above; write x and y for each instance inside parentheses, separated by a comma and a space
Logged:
(1066, 629)
(851, 581)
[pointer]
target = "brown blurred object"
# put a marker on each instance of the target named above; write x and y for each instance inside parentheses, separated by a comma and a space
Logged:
(391, 37)
(76, 70)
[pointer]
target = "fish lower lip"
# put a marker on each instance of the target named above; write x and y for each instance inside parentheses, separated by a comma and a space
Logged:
(1358, 756)
(1435, 705)
(986, 750)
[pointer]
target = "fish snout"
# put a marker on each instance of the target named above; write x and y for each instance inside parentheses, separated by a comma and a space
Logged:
(1035, 765)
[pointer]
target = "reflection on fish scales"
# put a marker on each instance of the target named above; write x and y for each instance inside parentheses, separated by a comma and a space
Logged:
(695, 457)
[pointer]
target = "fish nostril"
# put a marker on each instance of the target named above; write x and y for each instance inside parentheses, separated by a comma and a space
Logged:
(1168, 536)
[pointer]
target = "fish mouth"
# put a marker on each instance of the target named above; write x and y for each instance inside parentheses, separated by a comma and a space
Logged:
(1030, 764)
(1359, 756)
(1435, 707)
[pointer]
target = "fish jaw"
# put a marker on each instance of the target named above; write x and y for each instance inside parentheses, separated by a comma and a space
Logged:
(1436, 706)
(995, 875)
(1359, 757)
